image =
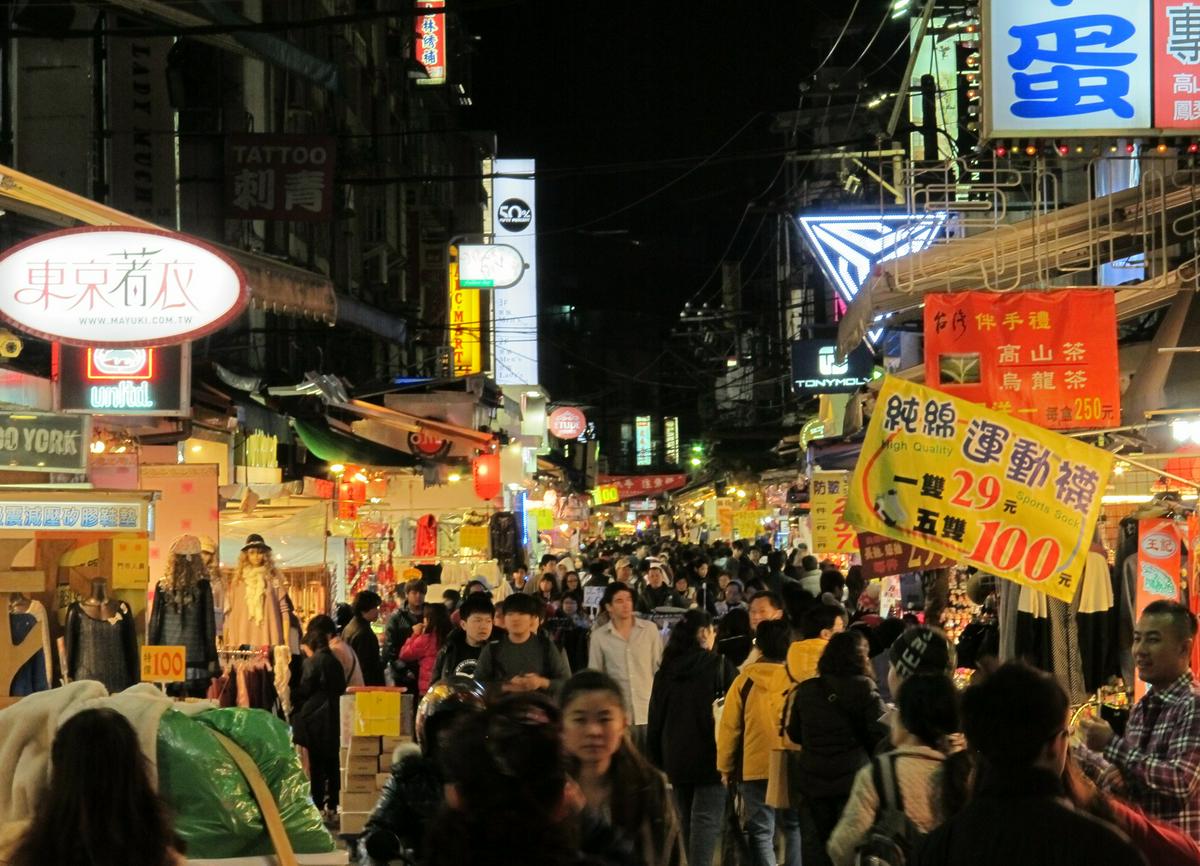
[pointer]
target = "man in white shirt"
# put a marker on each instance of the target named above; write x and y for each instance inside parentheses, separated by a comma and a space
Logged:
(629, 650)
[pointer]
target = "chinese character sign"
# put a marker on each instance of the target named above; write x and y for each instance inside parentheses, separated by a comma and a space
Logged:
(279, 177)
(1025, 354)
(1177, 64)
(883, 556)
(830, 531)
(1067, 66)
(1159, 563)
(429, 42)
(978, 486)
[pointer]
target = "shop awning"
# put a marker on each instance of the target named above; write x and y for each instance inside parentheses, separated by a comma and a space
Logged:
(390, 426)
(333, 446)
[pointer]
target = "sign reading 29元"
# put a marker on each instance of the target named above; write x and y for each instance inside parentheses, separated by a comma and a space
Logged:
(979, 486)
(1086, 67)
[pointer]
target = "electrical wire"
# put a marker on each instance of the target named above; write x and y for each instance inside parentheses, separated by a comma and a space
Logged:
(837, 41)
(887, 13)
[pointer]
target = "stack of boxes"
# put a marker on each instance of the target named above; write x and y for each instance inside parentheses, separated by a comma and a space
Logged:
(374, 723)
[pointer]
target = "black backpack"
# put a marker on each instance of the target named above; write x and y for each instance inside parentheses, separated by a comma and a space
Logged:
(893, 839)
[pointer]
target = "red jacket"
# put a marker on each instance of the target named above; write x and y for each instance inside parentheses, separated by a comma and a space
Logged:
(423, 649)
(1162, 844)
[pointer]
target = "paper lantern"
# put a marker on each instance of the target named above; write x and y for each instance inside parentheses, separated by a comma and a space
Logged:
(485, 469)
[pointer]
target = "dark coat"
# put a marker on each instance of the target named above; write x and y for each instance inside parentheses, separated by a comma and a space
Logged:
(837, 721)
(680, 737)
(650, 598)
(396, 633)
(1019, 817)
(362, 640)
(454, 652)
(316, 716)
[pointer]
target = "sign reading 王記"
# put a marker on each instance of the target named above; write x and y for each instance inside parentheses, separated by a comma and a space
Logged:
(1005, 495)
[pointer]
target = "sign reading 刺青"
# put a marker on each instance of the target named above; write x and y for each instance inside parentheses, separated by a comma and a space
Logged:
(1005, 495)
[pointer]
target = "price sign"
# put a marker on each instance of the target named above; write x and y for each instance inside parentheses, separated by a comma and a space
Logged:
(163, 664)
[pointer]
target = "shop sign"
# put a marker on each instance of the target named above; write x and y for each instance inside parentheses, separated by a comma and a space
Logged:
(430, 41)
(816, 369)
(512, 219)
(425, 444)
(269, 176)
(643, 440)
(979, 486)
(883, 556)
(889, 596)
(1027, 354)
(830, 531)
(126, 381)
(567, 422)
(43, 442)
(489, 266)
(749, 524)
(671, 440)
(1100, 67)
(112, 286)
(130, 562)
(629, 486)
(163, 664)
(606, 494)
(465, 324)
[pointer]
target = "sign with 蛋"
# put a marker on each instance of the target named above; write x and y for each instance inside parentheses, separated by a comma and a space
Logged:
(1025, 354)
(163, 664)
(1009, 497)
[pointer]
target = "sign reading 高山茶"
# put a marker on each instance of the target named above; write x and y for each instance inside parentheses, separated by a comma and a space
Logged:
(978, 486)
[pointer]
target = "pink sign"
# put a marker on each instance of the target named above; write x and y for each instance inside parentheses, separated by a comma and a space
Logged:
(567, 422)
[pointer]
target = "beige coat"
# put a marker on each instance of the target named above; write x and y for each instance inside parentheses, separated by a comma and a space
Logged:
(919, 769)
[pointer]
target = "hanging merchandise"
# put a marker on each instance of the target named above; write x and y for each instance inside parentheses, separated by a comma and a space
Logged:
(485, 470)
(427, 527)
(101, 642)
(252, 617)
(183, 615)
(506, 547)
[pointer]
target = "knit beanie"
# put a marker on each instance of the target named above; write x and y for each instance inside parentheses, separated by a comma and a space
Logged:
(922, 650)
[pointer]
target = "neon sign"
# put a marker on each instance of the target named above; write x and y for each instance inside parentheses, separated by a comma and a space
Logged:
(125, 381)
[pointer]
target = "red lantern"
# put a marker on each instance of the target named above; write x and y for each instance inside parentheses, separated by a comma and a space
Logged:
(485, 469)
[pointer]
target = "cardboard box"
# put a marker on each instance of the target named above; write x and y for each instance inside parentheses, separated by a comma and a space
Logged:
(385, 763)
(353, 823)
(381, 779)
(364, 746)
(390, 744)
(360, 784)
(378, 710)
(342, 755)
(359, 801)
(362, 765)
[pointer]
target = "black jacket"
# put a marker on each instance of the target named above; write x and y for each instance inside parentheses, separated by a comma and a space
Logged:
(454, 652)
(362, 640)
(1019, 817)
(408, 803)
(316, 716)
(837, 721)
(650, 598)
(399, 629)
(680, 736)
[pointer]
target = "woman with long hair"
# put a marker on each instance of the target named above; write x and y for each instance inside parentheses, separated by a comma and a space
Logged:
(616, 780)
(681, 735)
(316, 716)
(428, 637)
(572, 586)
(100, 808)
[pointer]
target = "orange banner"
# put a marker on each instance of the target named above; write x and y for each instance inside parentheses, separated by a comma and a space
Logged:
(1049, 358)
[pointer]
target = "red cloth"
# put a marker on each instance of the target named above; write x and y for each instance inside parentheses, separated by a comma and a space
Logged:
(1162, 844)
(422, 649)
(426, 543)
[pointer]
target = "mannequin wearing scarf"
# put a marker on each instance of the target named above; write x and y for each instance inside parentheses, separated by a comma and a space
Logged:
(252, 599)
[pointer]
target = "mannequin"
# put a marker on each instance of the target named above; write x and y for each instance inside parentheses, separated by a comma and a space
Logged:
(183, 616)
(208, 555)
(101, 643)
(252, 598)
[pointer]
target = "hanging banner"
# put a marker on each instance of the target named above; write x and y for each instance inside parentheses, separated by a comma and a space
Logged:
(1025, 354)
(830, 531)
(473, 537)
(1159, 560)
(130, 562)
(883, 557)
(629, 486)
(748, 524)
(1004, 495)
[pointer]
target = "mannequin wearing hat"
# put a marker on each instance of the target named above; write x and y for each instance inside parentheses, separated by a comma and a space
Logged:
(183, 615)
(252, 598)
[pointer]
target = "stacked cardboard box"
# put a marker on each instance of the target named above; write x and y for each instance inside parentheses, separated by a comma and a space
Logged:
(369, 740)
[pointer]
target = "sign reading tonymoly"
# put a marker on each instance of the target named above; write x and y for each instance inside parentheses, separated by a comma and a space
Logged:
(115, 286)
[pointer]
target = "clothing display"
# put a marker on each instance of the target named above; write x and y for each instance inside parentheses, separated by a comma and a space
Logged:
(191, 625)
(104, 650)
(427, 536)
(30, 677)
(253, 616)
(37, 610)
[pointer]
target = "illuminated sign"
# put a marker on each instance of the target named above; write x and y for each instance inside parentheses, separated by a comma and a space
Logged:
(567, 422)
(82, 516)
(671, 439)
(430, 42)
(1057, 69)
(465, 326)
(643, 441)
(512, 221)
(115, 286)
(489, 266)
(816, 369)
(125, 381)
(43, 442)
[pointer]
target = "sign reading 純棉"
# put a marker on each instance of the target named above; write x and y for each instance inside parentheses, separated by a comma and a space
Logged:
(43, 442)
(1028, 354)
(979, 486)
(113, 286)
(816, 369)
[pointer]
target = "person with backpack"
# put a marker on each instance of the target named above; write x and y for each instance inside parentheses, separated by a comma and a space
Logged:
(895, 801)
(523, 660)
(748, 733)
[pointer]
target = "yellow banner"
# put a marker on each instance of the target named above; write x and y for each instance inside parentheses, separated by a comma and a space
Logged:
(464, 326)
(474, 537)
(1007, 496)
(748, 524)
(130, 562)
(163, 664)
(830, 531)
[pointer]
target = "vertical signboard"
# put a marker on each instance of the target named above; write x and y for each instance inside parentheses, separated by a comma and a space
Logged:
(1159, 560)
(464, 326)
(643, 441)
(671, 440)
(430, 41)
(830, 531)
(515, 310)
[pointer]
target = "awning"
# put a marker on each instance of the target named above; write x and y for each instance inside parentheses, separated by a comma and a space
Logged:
(274, 285)
(333, 446)
(390, 426)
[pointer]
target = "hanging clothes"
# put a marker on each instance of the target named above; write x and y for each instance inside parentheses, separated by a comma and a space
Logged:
(254, 617)
(506, 546)
(189, 622)
(427, 536)
(104, 650)
(31, 676)
(1096, 621)
(1047, 638)
(406, 536)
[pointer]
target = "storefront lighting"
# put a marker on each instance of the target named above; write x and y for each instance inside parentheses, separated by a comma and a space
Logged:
(454, 478)
(562, 527)
(1186, 431)
(1120, 468)
(741, 494)
(696, 461)
(98, 446)
(337, 468)
(533, 393)
(196, 449)
(360, 477)
(514, 487)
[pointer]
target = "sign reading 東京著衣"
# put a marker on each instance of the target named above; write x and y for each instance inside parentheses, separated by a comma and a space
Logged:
(1056, 68)
(1007, 496)
(1045, 357)
(114, 286)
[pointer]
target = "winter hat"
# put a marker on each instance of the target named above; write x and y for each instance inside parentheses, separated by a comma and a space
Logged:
(922, 650)
(207, 544)
(186, 545)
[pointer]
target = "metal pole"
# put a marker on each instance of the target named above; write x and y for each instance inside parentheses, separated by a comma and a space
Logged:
(902, 92)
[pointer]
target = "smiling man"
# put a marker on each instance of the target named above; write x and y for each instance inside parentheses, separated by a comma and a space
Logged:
(1156, 764)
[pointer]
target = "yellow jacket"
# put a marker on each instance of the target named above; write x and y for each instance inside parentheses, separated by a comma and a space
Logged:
(802, 658)
(755, 727)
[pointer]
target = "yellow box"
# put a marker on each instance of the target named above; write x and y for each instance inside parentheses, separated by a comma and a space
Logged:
(358, 784)
(353, 823)
(377, 714)
(362, 765)
(356, 801)
(364, 746)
